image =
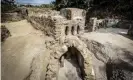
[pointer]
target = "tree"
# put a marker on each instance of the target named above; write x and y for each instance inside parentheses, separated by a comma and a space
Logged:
(102, 8)
(121, 8)
(7, 5)
(83, 4)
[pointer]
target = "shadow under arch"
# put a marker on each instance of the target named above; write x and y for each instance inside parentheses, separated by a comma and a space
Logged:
(72, 30)
(78, 29)
(66, 30)
(75, 58)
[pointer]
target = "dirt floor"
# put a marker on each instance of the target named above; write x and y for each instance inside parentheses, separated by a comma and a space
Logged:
(112, 46)
(113, 30)
(20, 49)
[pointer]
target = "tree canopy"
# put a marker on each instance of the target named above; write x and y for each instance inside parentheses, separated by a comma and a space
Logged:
(7, 5)
(123, 8)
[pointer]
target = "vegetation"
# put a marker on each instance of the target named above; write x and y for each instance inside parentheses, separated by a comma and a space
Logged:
(7, 5)
(38, 6)
(102, 8)
(72, 3)
(121, 8)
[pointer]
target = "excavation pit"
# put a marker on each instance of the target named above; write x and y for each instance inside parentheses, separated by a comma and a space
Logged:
(71, 65)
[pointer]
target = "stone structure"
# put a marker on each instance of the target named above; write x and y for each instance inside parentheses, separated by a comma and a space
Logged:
(71, 23)
(130, 30)
(72, 13)
(65, 29)
(15, 15)
(94, 23)
(60, 26)
(62, 52)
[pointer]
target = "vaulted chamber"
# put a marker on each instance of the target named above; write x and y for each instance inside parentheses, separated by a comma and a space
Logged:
(71, 65)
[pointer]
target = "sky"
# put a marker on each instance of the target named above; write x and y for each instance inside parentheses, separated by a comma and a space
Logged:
(36, 2)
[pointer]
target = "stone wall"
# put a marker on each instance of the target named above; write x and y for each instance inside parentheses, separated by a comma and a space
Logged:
(56, 71)
(59, 26)
(45, 24)
(71, 13)
(16, 15)
(64, 47)
(130, 30)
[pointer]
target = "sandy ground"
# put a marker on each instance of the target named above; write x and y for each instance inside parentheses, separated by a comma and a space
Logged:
(19, 50)
(68, 72)
(115, 39)
(122, 50)
(21, 28)
(112, 30)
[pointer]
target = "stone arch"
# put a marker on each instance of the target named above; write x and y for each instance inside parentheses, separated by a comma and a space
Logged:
(66, 30)
(84, 52)
(72, 60)
(72, 30)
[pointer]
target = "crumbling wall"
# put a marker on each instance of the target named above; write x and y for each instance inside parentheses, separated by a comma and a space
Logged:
(15, 15)
(130, 30)
(94, 24)
(45, 24)
(65, 32)
(10, 17)
(69, 13)
(59, 50)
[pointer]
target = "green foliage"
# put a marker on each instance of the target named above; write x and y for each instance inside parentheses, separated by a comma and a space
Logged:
(72, 3)
(40, 6)
(100, 8)
(47, 6)
(121, 8)
(7, 5)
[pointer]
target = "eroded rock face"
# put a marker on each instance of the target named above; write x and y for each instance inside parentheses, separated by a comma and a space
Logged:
(111, 60)
(5, 33)
(130, 30)
(15, 15)
(10, 17)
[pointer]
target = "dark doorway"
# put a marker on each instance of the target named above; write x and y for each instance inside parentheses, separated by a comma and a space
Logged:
(78, 29)
(66, 30)
(74, 61)
(72, 30)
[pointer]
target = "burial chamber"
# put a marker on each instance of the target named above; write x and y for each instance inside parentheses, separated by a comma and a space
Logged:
(71, 65)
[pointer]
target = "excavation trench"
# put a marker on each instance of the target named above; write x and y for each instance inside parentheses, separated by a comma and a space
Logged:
(71, 65)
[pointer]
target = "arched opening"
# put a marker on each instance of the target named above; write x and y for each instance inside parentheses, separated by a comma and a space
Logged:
(71, 65)
(72, 30)
(78, 29)
(66, 30)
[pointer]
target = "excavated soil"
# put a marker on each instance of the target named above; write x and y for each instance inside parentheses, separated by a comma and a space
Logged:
(112, 55)
(20, 50)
